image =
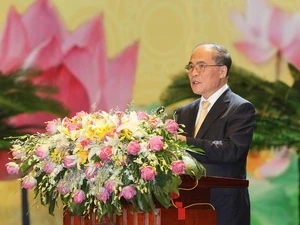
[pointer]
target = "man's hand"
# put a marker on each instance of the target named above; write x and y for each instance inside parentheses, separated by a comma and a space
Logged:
(181, 137)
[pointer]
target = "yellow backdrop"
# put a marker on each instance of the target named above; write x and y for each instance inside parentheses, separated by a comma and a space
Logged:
(167, 31)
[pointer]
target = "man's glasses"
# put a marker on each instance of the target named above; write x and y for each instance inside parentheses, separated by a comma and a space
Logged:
(199, 67)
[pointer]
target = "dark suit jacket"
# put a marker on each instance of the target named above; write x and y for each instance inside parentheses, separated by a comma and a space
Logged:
(225, 136)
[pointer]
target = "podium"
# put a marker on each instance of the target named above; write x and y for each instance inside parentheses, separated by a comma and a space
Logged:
(193, 207)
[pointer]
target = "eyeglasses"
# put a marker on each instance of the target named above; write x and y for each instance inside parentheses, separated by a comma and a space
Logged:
(200, 67)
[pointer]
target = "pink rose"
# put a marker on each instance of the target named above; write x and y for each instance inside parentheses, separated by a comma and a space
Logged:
(70, 161)
(12, 168)
(110, 186)
(78, 196)
(103, 195)
(99, 165)
(49, 167)
(142, 115)
(90, 172)
(63, 188)
(128, 192)
(133, 147)
(171, 126)
(156, 144)
(148, 172)
(106, 153)
(178, 167)
(28, 182)
(42, 151)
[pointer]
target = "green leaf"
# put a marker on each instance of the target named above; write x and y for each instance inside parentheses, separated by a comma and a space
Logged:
(51, 207)
(140, 202)
(193, 167)
(162, 196)
(18, 95)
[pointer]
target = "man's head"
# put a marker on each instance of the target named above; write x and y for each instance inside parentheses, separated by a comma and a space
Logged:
(208, 68)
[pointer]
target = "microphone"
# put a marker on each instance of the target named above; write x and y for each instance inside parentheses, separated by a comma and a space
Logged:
(175, 114)
(160, 110)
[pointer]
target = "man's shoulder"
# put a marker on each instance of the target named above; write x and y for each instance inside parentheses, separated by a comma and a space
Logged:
(190, 105)
(236, 98)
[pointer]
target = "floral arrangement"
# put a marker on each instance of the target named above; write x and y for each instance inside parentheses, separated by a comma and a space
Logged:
(99, 161)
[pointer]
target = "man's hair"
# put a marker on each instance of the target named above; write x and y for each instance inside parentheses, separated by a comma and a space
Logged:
(221, 55)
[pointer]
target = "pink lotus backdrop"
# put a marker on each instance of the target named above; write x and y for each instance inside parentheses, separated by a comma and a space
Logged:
(120, 53)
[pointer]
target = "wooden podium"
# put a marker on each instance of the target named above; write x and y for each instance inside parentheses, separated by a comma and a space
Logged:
(193, 207)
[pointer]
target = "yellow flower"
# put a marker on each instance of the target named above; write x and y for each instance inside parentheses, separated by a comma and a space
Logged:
(125, 134)
(65, 131)
(100, 132)
(82, 155)
(56, 155)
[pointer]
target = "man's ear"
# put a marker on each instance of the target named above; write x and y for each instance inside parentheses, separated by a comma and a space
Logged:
(223, 71)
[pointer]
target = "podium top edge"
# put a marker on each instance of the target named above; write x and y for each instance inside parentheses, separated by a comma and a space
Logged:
(215, 182)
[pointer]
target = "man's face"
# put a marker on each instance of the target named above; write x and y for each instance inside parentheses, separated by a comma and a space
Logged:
(205, 77)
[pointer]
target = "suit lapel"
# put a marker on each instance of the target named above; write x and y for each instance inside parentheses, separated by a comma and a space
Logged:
(214, 113)
(190, 126)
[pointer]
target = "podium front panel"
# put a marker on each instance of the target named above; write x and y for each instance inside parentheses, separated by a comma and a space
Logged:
(161, 217)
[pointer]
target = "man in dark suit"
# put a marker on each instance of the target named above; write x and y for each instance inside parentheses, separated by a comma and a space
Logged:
(226, 132)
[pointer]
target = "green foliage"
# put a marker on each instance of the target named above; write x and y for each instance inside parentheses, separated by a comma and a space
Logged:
(179, 90)
(277, 105)
(19, 95)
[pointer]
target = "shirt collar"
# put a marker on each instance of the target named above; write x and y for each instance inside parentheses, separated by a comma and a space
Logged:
(214, 97)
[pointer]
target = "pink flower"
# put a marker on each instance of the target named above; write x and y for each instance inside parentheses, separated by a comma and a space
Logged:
(51, 126)
(154, 122)
(171, 126)
(156, 144)
(178, 167)
(106, 153)
(72, 126)
(128, 192)
(17, 152)
(42, 151)
(90, 172)
(142, 115)
(49, 167)
(12, 168)
(268, 32)
(278, 162)
(99, 165)
(148, 172)
(103, 195)
(78, 196)
(85, 142)
(63, 187)
(29, 182)
(133, 147)
(55, 52)
(70, 161)
(110, 186)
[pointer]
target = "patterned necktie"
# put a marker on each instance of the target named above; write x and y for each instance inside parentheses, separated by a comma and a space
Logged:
(202, 114)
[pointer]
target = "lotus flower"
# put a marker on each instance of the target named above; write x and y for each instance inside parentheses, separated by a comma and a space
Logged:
(269, 164)
(75, 63)
(268, 31)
